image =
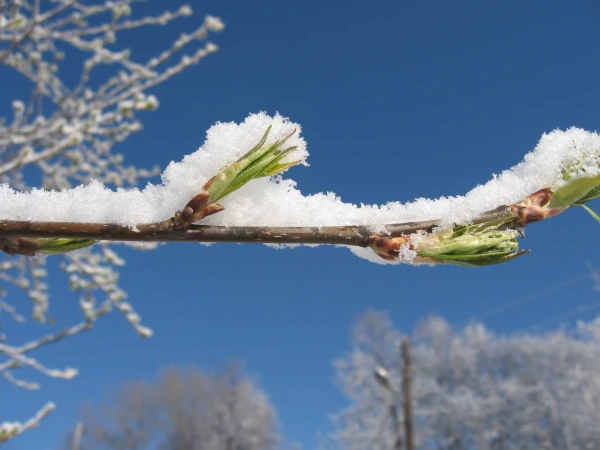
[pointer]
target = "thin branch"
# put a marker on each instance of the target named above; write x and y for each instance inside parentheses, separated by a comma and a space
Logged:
(52, 338)
(352, 235)
(10, 430)
(15, 353)
(37, 21)
(19, 359)
(23, 384)
(11, 311)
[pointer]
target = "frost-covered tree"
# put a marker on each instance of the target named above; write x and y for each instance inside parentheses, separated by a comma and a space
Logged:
(184, 409)
(63, 134)
(472, 389)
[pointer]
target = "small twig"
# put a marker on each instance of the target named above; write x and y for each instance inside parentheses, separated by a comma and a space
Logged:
(11, 430)
(16, 353)
(19, 359)
(37, 21)
(11, 311)
(23, 384)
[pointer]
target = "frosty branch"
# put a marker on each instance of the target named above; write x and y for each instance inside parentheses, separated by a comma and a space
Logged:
(487, 238)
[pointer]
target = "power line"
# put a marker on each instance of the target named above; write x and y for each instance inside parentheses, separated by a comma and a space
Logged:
(595, 276)
(535, 296)
(571, 313)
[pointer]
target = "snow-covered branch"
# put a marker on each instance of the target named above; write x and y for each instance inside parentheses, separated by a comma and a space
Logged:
(254, 206)
(9, 430)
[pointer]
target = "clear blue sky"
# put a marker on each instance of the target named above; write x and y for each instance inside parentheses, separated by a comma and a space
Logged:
(397, 100)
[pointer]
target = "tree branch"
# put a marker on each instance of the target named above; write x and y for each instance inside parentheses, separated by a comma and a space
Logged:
(352, 235)
(9, 430)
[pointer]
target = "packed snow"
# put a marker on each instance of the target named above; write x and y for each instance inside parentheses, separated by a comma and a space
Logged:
(278, 201)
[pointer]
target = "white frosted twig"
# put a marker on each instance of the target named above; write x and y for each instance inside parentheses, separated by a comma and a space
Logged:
(10, 430)
(53, 338)
(11, 311)
(17, 358)
(163, 19)
(36, 22)
(77, 105)
(19, 162)
(23, 384)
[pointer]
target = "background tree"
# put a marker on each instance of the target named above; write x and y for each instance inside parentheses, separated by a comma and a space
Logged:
(471, 387)
(63, 133)
(184, 409)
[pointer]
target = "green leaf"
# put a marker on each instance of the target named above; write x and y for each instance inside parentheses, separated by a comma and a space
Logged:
(258, 162)
(260, 143)
(480, 228)
(248, 174)
(594, 193)
(57, 246)
(579, 190)
(226, 177)
(278, 168)
(484, 260)
(474, 257)
(589, 210)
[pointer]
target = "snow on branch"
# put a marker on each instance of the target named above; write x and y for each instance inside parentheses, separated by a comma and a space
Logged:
(9, 430)
(479, 228)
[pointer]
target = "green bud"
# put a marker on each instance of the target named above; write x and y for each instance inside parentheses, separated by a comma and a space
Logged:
(57, 246)
(474, 245)
(261, 161)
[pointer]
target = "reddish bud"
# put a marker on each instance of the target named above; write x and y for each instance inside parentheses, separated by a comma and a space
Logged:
(388, 248)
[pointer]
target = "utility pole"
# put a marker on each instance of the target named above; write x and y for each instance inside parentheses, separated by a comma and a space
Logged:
(383, 378)
(77, 436)
(409, 429)
(397, 428)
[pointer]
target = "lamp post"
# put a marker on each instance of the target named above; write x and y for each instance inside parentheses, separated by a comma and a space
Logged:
(383, 379)
(409, 430)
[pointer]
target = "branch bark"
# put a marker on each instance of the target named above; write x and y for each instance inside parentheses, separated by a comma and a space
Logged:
(352, 235)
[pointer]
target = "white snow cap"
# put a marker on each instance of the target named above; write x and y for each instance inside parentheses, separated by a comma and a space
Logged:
(277, 201)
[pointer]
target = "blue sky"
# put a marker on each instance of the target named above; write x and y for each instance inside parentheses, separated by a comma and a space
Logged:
(397, 100)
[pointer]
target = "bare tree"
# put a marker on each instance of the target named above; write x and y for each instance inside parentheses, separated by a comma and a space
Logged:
(64, 134)
(184, 410)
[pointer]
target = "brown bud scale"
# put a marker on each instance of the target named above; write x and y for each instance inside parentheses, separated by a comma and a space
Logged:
(533, 208)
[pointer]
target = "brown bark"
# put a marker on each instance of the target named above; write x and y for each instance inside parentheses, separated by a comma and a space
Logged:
(167, 231)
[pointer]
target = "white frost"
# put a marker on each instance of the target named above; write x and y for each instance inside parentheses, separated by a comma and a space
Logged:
(277, 201)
